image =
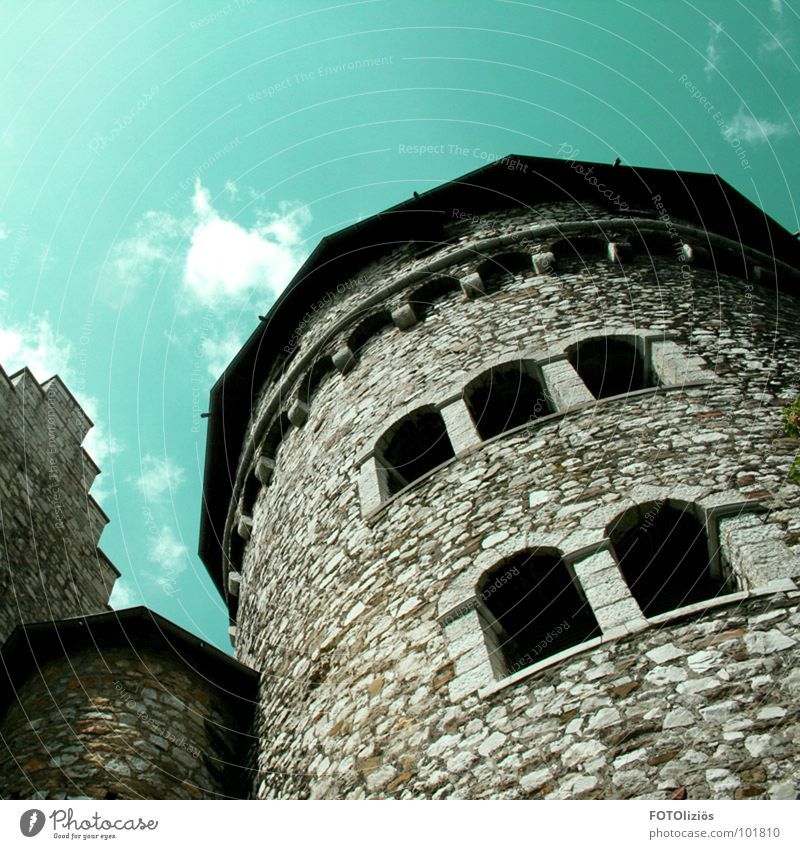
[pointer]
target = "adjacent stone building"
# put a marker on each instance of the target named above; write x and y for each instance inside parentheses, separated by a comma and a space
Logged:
(497, 494)
(95, 703)
(122, 705)
(497, 497)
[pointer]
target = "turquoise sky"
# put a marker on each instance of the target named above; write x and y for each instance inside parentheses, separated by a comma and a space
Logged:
(166, 166)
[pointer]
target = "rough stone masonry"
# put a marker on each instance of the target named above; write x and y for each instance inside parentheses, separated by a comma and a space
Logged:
(358, 603)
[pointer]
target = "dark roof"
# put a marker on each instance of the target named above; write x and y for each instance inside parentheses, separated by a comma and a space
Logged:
(704, 200)
(137, 628)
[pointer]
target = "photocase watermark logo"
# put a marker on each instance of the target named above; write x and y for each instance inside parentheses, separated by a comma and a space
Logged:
(31, 822)
(65, 824)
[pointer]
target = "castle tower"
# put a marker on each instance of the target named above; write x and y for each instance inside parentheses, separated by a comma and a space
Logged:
(50, 563)
(497, 495)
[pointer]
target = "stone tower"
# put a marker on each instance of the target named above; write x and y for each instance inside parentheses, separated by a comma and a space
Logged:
(50, 563)
(497, 496)
(95, 703)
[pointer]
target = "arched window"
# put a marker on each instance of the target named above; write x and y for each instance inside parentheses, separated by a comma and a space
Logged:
(581, 248)
(500, 269)
(424, 298)
(322, 368)
(664, 557)
(414, 446)
(728, 261)
(532, 607)
(610, 365)
(657, 244)
(504, 397)
(371, 326)
(274, 437)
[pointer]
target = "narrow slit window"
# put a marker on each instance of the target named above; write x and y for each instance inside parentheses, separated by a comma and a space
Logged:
(274, 437)
(425, 298)
(532, 607)
(653, 245)
(581, 249)
(368, 329)
(321, 370)
(610, 365)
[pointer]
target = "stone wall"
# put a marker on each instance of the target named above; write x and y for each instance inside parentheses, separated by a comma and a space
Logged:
(121, 723)
(365, 691)
(49, 560)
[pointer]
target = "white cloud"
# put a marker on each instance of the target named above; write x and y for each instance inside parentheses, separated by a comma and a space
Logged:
(222, 262)
(775, 41)
(171, 555)
(749, 129)
(3, 231)
(780, 38)
(159, 477)
(144, 257)
(713, 52)
(46, 353)
(220, 351)
(218, 263)
(46, 259)
(38, 347)
(226, 262)
(124, 595)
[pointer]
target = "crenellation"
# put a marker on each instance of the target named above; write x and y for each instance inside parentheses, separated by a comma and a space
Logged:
(51, 524)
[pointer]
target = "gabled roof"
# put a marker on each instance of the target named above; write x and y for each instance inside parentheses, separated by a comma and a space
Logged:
(704, 200)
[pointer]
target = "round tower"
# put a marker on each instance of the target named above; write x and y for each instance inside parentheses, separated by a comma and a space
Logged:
(122, 705)
(497, 494)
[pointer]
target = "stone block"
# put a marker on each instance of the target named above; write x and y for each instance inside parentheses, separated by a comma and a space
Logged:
(244, 527)
(264, 469)
(679, 718)
(344, 359)
(673, 367)
(544, 263)
(404, 317)
(298, 413)
(472, 285)
(234, 583)
(373, 485)
(461, 429)
(619, 252)
(563, 385)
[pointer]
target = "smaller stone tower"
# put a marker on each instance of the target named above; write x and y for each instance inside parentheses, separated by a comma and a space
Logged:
(50, 563)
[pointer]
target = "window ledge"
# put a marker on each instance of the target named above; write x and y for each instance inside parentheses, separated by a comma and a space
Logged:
(781, 585)
(534, 425)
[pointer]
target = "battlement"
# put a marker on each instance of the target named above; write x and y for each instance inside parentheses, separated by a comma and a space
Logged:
(50, 522)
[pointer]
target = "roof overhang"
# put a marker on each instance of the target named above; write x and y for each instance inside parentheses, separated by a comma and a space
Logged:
(704, 200)
(136, 629)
